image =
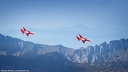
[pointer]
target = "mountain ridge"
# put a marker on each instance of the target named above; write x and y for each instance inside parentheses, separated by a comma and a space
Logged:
(113, 51)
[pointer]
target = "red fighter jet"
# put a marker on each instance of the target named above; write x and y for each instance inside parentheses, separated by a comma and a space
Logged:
(79, 37)
(26, 32)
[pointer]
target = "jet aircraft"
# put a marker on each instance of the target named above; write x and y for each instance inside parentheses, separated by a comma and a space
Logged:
(25, 31)
(80, 37)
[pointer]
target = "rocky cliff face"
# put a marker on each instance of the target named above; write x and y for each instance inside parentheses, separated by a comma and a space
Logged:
(113, 51)
(25, 49)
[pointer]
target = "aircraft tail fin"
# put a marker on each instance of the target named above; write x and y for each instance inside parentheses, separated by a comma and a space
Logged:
(22, 31)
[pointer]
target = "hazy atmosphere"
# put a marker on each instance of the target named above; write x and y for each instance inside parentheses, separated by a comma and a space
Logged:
(60, 21)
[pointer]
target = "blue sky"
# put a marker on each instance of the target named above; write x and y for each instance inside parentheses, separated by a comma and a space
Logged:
(59, 21)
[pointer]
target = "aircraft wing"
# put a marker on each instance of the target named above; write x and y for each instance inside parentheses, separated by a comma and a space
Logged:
(27, 34)
(83, 41)
(80, 36)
